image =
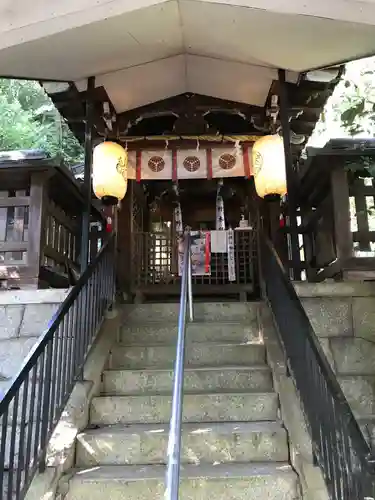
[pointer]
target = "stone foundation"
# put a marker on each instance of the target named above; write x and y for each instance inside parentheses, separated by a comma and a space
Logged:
(24, 316)
(343, 317)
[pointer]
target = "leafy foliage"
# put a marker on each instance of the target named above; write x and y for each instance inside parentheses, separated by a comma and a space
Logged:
(29, 120)
(356, 107)
(350, 112)
(364, 166)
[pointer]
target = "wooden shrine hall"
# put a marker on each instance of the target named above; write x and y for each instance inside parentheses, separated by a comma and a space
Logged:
(187, 108)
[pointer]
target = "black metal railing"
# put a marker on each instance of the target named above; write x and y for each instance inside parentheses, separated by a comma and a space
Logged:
(32, 406)
(174, 441)
(339, 446)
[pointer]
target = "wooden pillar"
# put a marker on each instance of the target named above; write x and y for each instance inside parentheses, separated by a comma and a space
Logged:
(364, 243)
(124, 243)
(290, 177)
(87, 175)
(274, 219)
(308, 247)
(341, 215)
(36, 231)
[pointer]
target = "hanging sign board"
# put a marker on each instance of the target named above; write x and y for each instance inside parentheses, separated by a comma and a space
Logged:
(231, 257)
(219, 242)
(200, 254)
(201, 163)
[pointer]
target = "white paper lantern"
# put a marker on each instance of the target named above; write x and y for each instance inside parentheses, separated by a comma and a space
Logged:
(110, 172)
(269, 166)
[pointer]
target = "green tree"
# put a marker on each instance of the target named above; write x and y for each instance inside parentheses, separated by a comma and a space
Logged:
(29, 120)
(350, 111)
(357, 107)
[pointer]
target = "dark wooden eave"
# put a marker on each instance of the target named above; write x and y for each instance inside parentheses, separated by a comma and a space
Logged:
(193, 114)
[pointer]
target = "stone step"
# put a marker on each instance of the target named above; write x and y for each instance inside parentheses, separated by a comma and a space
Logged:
(203, 311)
(165, 333)
(353, 356)
(220, 482)
(197, 354)
(196, 379)
(202, 407)
(201, 443)
(360, 393)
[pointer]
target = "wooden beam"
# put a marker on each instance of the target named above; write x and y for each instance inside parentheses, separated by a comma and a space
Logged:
(62, 218)
(182, 142)
(361, 190)
(360, 236)
(16, 201)
(360, 263)
(341, 214)
(290, 175)
(50, 252)
(13, 246)
(311, 217)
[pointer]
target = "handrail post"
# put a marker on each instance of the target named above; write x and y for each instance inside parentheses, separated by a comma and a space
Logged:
(85, 244)
(190, 286)
(174, 441)
(46, 386)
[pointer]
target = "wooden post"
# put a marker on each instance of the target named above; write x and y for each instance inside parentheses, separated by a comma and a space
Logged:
(125, 242)
(36, 230)
(290, 176)
(87, 175)
(274, 220)
(341, 215)
(308, 247)
(364, 243)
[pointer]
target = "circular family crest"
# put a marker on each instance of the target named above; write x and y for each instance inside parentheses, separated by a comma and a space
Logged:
(156, 164)
(258, 163)
(227, 161)
(192, 163)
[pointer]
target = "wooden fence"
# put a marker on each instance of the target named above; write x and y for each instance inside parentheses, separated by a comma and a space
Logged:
(40, 220)
(336, 222)
(155, 267)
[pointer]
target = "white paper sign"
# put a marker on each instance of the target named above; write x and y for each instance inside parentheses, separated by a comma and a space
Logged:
(231, 258)
(218, 241)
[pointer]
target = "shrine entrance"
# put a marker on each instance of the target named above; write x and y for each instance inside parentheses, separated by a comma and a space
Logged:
(207, 190)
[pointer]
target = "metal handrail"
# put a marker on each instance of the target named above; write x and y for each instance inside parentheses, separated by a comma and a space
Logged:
(339, 447)
(174, 441)
(33, 404)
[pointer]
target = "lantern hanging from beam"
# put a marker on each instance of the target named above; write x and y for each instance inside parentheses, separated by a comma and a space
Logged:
(269, 166)
(110, 172)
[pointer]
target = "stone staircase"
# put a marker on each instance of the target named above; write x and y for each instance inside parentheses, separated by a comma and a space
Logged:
(234, 445)
(343, 318)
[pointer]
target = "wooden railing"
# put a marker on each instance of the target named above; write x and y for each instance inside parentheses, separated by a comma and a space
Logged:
(336, 223)
(14, 225)
(155, 267)
(40, 225)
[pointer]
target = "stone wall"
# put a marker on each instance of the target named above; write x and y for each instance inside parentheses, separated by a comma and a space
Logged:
(343, 317)
(24, 316)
